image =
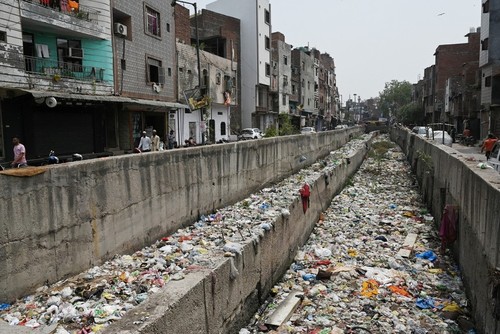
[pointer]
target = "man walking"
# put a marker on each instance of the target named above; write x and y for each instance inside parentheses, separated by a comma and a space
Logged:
(155, 141)
(19, 154)
(488, 145)
(145, 143)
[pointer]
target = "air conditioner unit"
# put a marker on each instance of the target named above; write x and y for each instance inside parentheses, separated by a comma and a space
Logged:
(121, 29)
(75, 53)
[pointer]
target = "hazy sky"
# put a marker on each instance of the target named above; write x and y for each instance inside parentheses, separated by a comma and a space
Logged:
(374, 41)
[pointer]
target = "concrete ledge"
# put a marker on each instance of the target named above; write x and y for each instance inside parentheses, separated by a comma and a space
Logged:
(447, 177)
(211, 301)
(79, 214)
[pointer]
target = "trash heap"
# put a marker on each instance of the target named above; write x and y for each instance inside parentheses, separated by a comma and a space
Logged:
(88, 302)
(372, 264)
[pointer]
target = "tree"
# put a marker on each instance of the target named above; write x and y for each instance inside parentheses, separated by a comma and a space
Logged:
(395, 99)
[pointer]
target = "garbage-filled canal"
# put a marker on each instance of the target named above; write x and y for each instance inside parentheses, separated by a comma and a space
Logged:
(374, 263)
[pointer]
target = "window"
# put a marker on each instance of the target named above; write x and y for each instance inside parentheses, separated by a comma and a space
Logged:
(155, 72)
(152, 22)
(486, 6)
(283, 102)
(303, 83)
(285, 80)
(267, 16)
(268, 69)
(484, 44)
(285, 60)
(168, 27)
(222, 128)
(303, 66)
(70, 53)
(294, 89)
(3, 36)
(268, 43)
(487, 81)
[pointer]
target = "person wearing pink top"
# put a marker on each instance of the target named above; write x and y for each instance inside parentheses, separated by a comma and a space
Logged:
(19, 154)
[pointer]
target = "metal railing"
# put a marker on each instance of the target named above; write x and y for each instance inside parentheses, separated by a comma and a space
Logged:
(57, 70)
(80, 12)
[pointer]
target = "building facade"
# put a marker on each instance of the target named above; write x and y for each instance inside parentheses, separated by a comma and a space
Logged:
(489, 63)
(255, 57)
(145, 68)
(55, 63)
(450, 60)
(281, 57)
(303, 63)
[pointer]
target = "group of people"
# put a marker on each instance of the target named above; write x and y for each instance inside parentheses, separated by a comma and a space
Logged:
(154, 143)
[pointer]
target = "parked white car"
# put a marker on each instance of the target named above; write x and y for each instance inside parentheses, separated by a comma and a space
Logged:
(307, 130)
(494, 160)
(341, 126)
(442, 137)
(422, 131)
(251, 133)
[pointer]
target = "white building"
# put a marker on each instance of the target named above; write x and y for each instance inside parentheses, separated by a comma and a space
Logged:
(255, 17)
(218, 75)
(489, 64)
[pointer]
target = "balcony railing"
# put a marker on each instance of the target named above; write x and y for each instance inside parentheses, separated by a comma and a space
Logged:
(57, 70)
(71, 8)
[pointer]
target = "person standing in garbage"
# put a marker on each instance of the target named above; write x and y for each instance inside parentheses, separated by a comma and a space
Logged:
(19, 154)
(488, 144)
(145, 143)
(155, 142)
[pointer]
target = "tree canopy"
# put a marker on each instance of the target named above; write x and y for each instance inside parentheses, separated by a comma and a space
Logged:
(396, 101)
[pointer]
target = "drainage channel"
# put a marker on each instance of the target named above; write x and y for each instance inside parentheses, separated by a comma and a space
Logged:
(207, 278)
(373, 264)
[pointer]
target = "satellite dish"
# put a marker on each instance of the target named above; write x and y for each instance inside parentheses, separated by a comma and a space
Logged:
(39, 100)
(51, 102)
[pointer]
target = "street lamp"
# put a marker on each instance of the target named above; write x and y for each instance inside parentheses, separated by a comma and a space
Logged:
(173, 3)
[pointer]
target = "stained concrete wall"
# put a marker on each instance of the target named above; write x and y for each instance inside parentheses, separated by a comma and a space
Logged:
(79, 214)
(447, 177)
(210, 301)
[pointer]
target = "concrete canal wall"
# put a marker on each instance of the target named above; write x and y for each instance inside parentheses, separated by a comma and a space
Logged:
(76, 215)
(217, 301)
(447, 177)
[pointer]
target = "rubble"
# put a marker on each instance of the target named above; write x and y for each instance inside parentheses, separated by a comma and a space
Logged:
(372, 287)
(88, 302)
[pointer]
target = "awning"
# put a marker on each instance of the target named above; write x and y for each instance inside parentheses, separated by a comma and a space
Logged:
(105, 98)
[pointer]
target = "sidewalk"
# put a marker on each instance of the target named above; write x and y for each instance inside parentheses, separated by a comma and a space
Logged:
(470, 151)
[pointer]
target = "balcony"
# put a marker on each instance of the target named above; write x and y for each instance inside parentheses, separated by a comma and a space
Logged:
(57, 70)
(71, 8)
(62, 16)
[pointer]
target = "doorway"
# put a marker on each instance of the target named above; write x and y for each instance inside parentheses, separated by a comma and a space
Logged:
(29, 52)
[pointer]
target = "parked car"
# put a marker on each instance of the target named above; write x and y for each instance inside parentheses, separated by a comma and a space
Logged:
(442, 137)
(422, 131)
(251, 133)
(494, 160)
(341, 126)
(307, 130)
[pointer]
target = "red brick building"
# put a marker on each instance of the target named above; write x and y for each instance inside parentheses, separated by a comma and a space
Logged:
(451, 61)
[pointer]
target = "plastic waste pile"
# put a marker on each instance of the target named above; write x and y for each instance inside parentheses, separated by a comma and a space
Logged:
(88, 302)
(355, 276)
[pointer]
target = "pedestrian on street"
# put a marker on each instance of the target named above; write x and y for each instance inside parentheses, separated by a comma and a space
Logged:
(171, 140)
(453, 134)
(19, 154)
(155, 141)
(145, 143)
(488, 144)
